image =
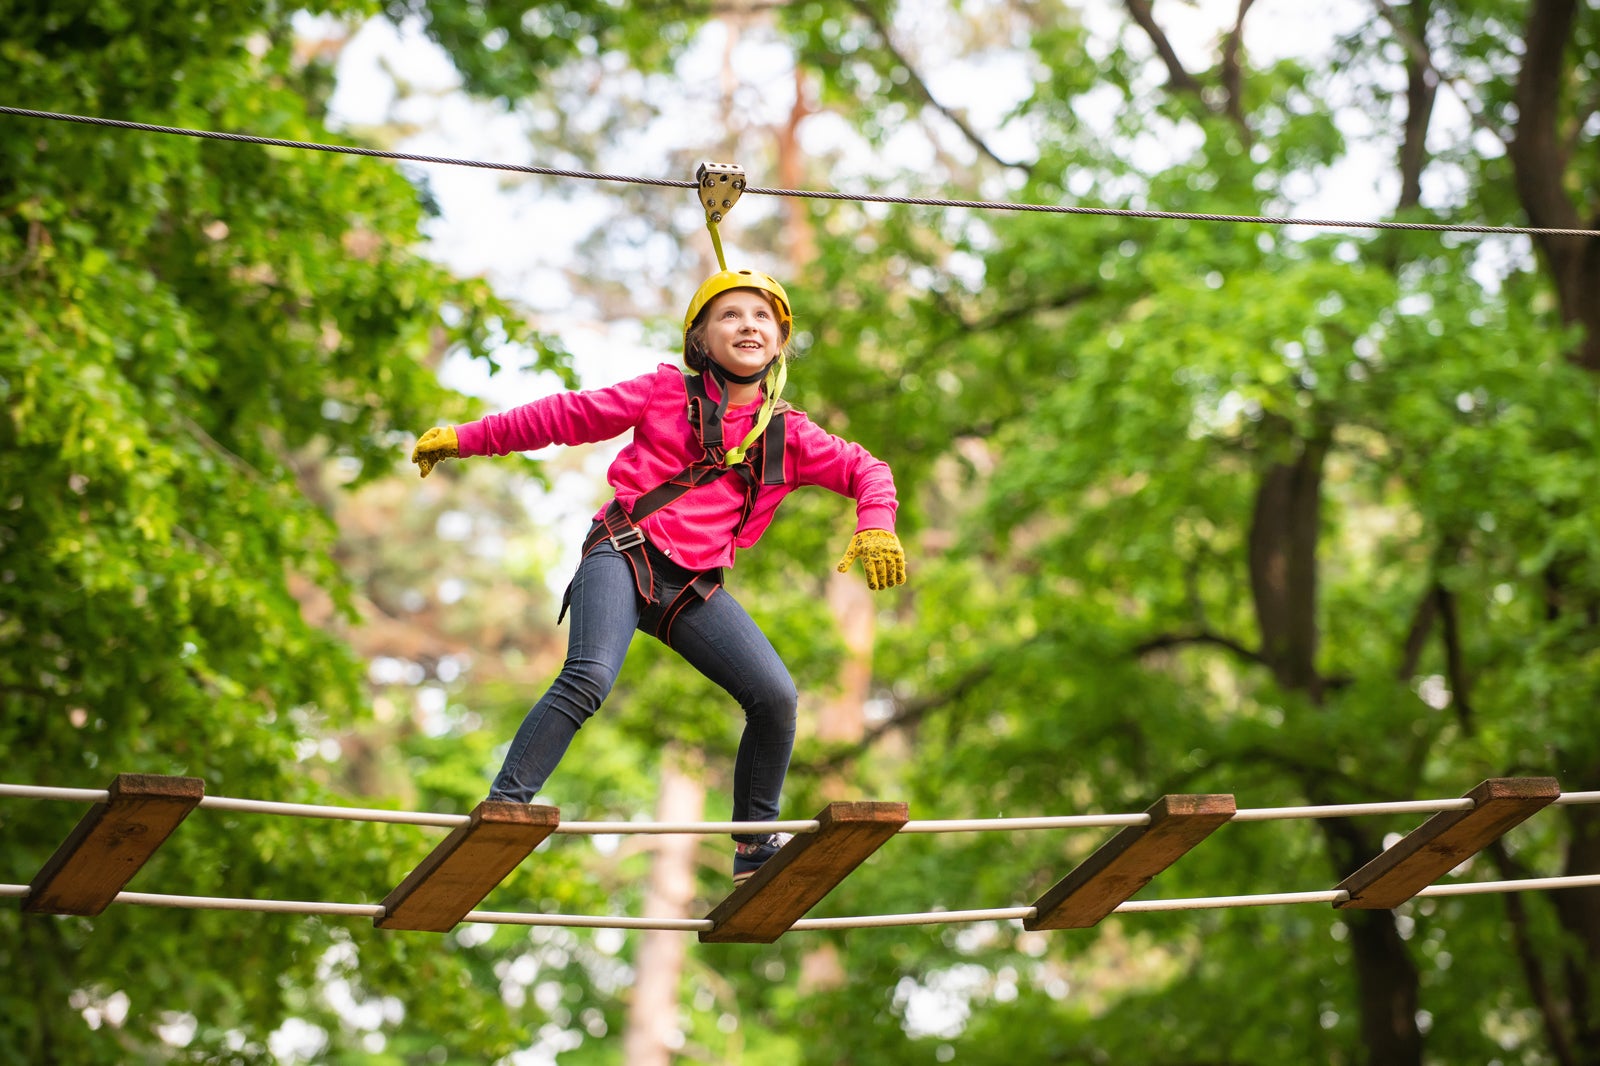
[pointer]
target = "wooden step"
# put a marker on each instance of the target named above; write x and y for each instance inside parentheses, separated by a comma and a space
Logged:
(112, 842)
(803, 871)
(1127, 862)
(467, 865)
(1447, 840)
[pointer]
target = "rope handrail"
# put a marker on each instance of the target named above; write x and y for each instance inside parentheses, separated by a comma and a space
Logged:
(486, 845)
(625, 828)
(815, 194)
(936, 917)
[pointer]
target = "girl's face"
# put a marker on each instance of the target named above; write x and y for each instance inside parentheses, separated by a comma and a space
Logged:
(742, 331)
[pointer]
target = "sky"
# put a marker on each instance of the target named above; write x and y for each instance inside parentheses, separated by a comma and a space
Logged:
(480, 209)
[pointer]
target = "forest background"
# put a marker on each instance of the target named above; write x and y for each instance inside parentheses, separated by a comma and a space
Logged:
(1299, 514)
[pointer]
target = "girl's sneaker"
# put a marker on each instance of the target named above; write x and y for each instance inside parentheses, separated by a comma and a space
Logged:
(748, 857)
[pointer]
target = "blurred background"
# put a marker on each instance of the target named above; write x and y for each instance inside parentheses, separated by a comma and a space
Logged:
(1302, 513)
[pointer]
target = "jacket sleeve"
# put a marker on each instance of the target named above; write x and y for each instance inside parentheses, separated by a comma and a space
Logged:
(844, 467)
(583, 417)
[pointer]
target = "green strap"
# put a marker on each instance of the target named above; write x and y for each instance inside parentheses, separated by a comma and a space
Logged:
(776, 378)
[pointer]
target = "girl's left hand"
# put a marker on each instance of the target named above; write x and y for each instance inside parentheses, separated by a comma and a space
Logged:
(881, 557)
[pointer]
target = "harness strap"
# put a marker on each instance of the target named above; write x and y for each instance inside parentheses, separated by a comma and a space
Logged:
(660, 617)
(629, 540)
(765, 467)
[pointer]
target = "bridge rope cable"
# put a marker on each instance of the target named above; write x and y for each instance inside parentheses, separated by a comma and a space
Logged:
(936, 917)
(868, 921)
(952, 825)
(814, 194)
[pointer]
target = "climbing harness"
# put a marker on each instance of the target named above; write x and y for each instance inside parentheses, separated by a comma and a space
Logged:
(757, 459)
(763, 465)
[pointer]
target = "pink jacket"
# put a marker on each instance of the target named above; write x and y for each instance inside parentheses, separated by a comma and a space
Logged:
(696, 530)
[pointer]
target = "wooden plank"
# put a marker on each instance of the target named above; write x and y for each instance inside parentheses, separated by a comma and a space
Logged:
(467, 865)
(1447, 840)
(803, 871)
(1127, 862)
(112, 842)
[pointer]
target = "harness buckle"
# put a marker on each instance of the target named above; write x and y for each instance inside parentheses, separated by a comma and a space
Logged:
(631, 537)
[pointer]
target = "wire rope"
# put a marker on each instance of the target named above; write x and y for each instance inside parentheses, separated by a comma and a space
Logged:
(814, 194)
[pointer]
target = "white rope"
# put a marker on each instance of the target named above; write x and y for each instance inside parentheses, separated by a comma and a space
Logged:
(79, 795)
(1347, 810)
(264, 906)
(1570, 798)
(687, 828)
(978, 825)
(1203, 903)
(878, 921)
(944, 917)
(590, 921)
(348, 814)
(1526, 884)
(951, 825)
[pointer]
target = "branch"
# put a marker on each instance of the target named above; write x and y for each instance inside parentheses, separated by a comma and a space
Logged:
(921, 90)
(1423, 58)
(1204, 636)
(1178, 79)
(1233, 71)
(1455, 664)
(1417, 635)
(1422, 88)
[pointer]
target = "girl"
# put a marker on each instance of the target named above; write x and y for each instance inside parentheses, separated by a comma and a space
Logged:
(686, 499)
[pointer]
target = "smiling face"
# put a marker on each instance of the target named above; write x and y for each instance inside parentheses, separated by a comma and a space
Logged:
(742, 331)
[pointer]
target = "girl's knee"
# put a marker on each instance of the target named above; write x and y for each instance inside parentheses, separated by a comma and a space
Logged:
(775, 698)
(585, 684)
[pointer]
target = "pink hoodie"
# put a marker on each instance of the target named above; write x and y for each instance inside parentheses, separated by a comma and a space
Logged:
(696, 530)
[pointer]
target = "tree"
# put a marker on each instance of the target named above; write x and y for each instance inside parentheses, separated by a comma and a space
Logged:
(187, 324)
(1191, 508)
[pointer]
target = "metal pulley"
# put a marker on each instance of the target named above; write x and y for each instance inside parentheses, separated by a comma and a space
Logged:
(719, 186)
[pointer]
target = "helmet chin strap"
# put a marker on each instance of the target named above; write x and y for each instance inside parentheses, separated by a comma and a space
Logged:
(724, 375)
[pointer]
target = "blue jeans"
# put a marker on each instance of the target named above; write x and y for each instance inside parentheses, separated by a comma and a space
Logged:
(717, 638)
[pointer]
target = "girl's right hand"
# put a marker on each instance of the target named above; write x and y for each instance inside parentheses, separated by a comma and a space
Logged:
(435, 446)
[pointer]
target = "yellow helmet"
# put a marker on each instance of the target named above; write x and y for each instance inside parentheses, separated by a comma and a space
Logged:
(777, 372)
(722, 281)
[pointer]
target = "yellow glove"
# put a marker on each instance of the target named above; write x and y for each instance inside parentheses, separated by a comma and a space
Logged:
(881, 557)
(435, 446)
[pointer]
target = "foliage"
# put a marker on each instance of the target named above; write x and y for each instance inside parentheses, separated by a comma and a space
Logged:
(184, 323)
(1301, 516)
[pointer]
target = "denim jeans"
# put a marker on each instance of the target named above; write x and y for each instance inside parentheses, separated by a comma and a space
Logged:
(717, 638)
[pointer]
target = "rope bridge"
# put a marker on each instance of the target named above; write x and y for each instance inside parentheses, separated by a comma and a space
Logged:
(128, 822)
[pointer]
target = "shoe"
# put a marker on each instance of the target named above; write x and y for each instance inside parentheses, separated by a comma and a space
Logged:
(749, 857)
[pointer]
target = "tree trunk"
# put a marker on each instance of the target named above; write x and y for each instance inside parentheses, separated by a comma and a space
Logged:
(1579, 912)
(1283, 566)
(1543, 175)
(1284, 533)
(1386, 978)
(653, 1031)
(1539, 161)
